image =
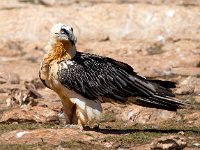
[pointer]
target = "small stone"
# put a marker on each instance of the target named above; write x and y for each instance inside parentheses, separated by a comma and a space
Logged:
(15, 123)
(60, 148)
(121, 148)
(186, 86)
(61, 118)
(181, 133)
(108, 127)
(14, 78)
(96, 127)
(2, 80)
(196, 144)
(9, 102)
(20, 134)
(37, 83)
(168, 143)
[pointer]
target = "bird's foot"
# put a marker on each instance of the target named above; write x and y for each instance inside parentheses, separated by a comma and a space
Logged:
(82, 127)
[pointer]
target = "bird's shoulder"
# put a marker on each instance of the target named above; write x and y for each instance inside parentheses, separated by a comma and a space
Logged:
(85, 65)
(88, 59)
(95, 76)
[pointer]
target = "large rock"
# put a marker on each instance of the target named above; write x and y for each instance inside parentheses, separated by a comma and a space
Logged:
(33, 114)
(141, 115)
(50, 136)
(101, 22)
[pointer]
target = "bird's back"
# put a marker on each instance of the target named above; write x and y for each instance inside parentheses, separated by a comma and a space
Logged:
(94, 76)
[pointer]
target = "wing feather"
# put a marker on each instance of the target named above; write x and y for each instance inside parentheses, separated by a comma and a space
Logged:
(93, 76)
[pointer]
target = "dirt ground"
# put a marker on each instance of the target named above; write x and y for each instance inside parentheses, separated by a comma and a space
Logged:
(159, 39)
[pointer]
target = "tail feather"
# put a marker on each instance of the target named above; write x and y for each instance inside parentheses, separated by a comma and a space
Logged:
(155, 93)
(163, 87)
(163, 98)
(161, 102)
(165, 84)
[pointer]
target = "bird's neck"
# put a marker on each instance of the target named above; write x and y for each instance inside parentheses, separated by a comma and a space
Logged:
(59, 50)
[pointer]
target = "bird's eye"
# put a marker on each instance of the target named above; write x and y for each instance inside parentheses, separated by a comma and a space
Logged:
(62, 31)
(71, 29)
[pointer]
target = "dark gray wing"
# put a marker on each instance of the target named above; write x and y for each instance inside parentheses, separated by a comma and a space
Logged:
(93, 76)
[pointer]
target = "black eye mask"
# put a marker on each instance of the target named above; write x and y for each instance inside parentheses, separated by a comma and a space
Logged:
(71, 37)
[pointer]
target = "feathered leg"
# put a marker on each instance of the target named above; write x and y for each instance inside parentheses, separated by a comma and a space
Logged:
(81, 116)
(68, 110)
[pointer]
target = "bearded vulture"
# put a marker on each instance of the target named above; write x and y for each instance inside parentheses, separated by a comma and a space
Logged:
(84, 80)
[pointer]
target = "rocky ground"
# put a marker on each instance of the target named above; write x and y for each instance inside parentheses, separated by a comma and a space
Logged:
(160, 39)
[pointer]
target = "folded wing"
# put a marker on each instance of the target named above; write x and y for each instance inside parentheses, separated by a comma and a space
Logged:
(93, 76)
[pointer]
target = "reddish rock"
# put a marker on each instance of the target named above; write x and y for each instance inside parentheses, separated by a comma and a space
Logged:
(38, 83)
(33, 114)
(138, 114)
(14, 78)
(21, 97)
(169, 143)
(186, 86)
(2, 80)
(193, 119)
(49, 136)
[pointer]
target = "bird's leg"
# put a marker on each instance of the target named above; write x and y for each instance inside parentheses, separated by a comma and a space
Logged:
(81, 117)
(78, 118)
(70, 115)
(67, 108)
(74, 117)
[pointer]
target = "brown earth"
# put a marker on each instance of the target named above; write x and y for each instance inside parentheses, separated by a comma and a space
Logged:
(159, 39)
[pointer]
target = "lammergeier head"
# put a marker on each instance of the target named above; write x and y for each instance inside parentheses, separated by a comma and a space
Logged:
(63, 33)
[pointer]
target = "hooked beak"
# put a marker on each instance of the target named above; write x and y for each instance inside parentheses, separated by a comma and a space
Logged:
(67, 37)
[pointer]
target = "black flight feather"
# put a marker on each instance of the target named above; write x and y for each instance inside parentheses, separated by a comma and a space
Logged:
(94, 76)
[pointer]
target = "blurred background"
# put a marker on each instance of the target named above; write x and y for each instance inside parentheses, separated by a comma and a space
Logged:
(158, 38)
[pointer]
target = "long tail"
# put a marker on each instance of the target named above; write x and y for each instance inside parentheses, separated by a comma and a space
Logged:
(163, 98)
(161, 102)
